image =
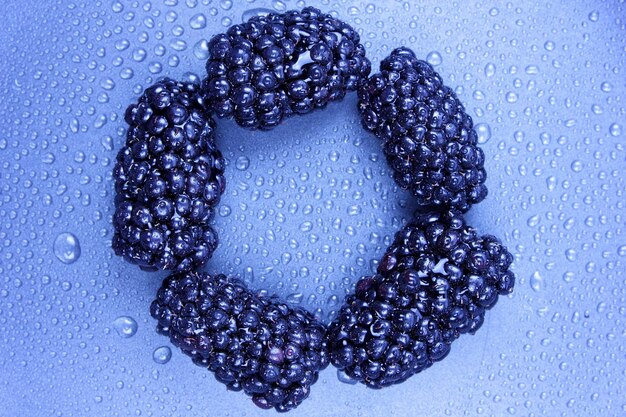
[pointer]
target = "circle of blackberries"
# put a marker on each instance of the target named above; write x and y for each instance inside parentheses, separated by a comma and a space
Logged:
(434, 283)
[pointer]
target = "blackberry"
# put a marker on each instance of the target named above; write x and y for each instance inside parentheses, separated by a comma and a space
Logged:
(434, 283)
(168, 178)
(273, 66)
(428, 138)
(252, 343)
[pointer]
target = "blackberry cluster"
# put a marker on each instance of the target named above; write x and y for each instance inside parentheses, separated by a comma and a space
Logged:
(428, 138)
(434, 283)
(168, 178)
(273, 66)
(256, 344)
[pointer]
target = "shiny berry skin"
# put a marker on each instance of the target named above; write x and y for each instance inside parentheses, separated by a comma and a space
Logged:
(274, 66)
(433, 284)
(168, 179)
(257, 344)
(428, 138)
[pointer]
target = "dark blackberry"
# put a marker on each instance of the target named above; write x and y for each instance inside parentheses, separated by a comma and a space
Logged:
(428, 138)
(168, 178)
(252, 343)
(273, 66)
(434, 283)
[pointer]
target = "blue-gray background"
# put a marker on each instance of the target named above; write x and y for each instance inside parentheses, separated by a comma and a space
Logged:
(310, 206)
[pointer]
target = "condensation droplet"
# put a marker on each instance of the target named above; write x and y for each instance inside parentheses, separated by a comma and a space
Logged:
(434, 58)
(198, 21)
(536, 281)
(490, 70)
(242, 163)
(162, 355)
(66, 248)
(577, 166)
(484, 132)
(125, 326)
(615, 129)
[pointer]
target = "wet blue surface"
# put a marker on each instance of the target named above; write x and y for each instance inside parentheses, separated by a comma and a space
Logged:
(311, 205)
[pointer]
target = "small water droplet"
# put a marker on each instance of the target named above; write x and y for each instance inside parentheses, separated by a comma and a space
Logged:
(125, 326)
(162, 355)
(67, 248)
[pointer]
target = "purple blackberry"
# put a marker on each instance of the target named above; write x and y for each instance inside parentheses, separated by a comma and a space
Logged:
(168, 178)
(273, 66)
(434, 283)
(252, 343)
(428, 138)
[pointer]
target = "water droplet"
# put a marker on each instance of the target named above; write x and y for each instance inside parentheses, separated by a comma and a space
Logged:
(490, 70)
(66, 248)
(594, 16)
(242, 163)
(434, 58)
(125, 326)
(48, 158)
(198, 21)
(484, 132)
(162, 355)
(536, 281)
(201, 49)
(533, 220)
(511, 97)
(615, 129)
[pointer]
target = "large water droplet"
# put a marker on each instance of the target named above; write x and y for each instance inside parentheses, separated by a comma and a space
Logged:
(242, 163)
(125, 326)
(536, 281)
(67, 248)
(484, 132)
(198, 21)
(434, 58)
(162, 355)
